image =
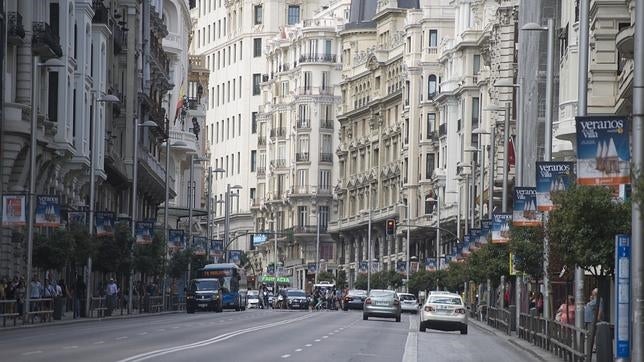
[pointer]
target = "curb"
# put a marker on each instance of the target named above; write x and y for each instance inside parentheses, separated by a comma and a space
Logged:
(511, 340)
(86, 320)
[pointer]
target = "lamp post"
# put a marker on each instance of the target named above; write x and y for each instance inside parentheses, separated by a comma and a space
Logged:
(407, 261)
(108, 98)
(506, 135)
(583, 49)
(227, 205)
(211, 171)
(480, 132)
(135, 162)
(191, 199)
(317, 247)
(473, 150)
(33, 144)
(368, 212)
(466, 178)
(437, 200)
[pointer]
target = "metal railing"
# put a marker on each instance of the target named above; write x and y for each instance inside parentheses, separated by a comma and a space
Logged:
(499, 318)
(9, 310)
(326, 124)
(42, 308)
(278, 132)
(317, 58)
(326, 157)
(15, 27)
(563, 340)
(302, 157)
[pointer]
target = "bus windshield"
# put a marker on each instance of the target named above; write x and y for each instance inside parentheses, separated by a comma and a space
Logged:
(205, 285)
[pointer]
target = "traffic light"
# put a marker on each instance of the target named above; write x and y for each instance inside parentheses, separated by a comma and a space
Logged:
(391, 226)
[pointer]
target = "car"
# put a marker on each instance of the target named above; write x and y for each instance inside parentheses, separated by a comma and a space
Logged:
(408, 302)
(354, 299)
(252, 299)
(203, 294)
(295, 299)
(444, 312)
(381, 303)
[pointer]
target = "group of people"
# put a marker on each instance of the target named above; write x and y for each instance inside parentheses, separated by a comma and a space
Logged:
(326, 298)
(566, 311)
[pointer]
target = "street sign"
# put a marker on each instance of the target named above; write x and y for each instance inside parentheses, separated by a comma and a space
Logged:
(623, 296)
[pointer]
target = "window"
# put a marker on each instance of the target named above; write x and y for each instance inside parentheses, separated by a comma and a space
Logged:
(431, 86)
(240, 87)
(293, 14)
(323, 214)
(253, 123)
(257, 47)
(307, 80)
(258, 15)
(476, 64)
(325, 80)
(327, 47)
(233, 130)
(429, 165)
(433, 38)
(240, 49)
(325, 180)
(257, 78)
(431, 120)
(253, 160)
(238, 163)
(302, 215)
(239, 125)
(475, 112)
(301, 178)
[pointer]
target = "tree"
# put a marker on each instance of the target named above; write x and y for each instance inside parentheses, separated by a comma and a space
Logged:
(178, 263)
(53, 252)
(341, 280)
(421, 280)
(114, 251)
(490, 261)
(526, 243)
(148, 259)
(326, 276)
(361, 281)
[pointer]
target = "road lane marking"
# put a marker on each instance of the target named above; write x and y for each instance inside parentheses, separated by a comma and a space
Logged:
(286, 355)
(142, 333)
(175, 327)
(411, 345)
(308, 345)
(298, 350)
(98, 342)
(336, 331)
(318, 340)
(330, 333)
(31, 352)
(220, 338)
(120, 338)
(70, 347)
(325, 337)
(161, 329)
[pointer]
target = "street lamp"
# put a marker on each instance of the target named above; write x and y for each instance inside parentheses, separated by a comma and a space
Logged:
(472, 190)
(458, 206)
(369, 244)
(191, 199)
(211, 171)
(227, 205)
(135, 165)
(108, 98)
(438, 228)
(407, 264)
(32, 165)
(480, 132)
(465, 177)
(506, 135)
(579, 277)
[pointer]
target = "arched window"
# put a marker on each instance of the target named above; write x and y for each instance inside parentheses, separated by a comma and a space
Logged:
(431, 86)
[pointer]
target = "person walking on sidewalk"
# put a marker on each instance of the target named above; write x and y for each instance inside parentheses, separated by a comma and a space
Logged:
(590, 309)
(78, 294)
(111, 291)
(566, 311)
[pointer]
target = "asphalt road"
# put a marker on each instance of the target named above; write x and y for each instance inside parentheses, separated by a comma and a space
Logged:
(257, 335)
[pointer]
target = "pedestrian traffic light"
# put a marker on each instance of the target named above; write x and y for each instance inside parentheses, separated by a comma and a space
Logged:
(391, 226)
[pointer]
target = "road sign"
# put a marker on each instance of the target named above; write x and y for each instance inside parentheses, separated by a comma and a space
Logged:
(623, 296)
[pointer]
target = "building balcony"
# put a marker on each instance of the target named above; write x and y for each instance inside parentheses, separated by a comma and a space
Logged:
(306, 190)
(188, 137)
(302, 157)
(306, 229)
(625, 42)
(326, 124)
(317, 58)
(101, 14)
(442, 130)
(44, 41)
(314, 91)
(261, 171)
(303, 124)
(284, 67)
(278, 132)
(261, 141)
(15, 29)
(153, 175)
(326, 157)
(172, 43)
(157, 25)
(279, 163)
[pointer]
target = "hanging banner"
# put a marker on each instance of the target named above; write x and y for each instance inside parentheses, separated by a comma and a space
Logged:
(430, 264)
(475, 239)
(175, 240)
(465, 248)
(603, 150)
(216, 250)
(312, 267)
(143, 232)
(104, 223)
(524, 210)
(47, 211)
(199, 245)
(486, 231)
(76, 217)
(14, 210)
(622, 296)
(552, 176)
(363, 267)
(401, 267)
(234, 256)
(375, 266)
(413, 266)
(270, 270)
(501, 228)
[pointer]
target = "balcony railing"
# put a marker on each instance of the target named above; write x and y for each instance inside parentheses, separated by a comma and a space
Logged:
(261, 171)
(302, 157)
(15, 29)
(261, 140)
(318, 58)
(44, 41)
(193, 103)
(303, 123)
(279, 163)
(326, 157)
(101, 14)
(152, 164)
(279, 132)
(306, 229)
(326, 124)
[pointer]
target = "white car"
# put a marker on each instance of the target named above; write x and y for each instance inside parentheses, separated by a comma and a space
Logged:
(252, 299)
(408, 302)
(444, 312)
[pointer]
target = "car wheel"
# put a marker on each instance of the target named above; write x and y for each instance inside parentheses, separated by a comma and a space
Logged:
(365, 317)
(422, 327)
(398, 319)
(464, 330)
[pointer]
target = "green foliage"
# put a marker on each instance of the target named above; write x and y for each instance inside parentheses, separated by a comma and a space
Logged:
(361, 281)
(455, 275)
(490, 261)
(327, 276)
(637, 194)
(114, 252)
(429, 280)
(53, 252)
(526, 243)
(148, 259)
(341, 280)
(583, 225)
(388, 279)
(178, 263)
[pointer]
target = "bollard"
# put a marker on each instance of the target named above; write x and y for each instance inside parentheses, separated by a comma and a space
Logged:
(604, 342)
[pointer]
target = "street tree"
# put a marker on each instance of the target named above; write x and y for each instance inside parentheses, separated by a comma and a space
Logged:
(341, 280)
(148, 258)
(526, 243)
(326, 276)
(53, 252)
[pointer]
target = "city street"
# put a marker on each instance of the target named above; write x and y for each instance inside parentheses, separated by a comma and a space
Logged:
(255, 335)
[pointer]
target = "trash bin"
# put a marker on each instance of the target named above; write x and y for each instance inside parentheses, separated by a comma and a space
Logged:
(59, 305)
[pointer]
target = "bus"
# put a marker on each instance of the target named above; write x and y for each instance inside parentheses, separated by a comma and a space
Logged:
(232, 280)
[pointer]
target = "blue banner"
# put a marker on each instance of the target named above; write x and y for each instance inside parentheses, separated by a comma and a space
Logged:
(234, 256)
(603, 150)
(47, 211)
(501, 228)
(524, 210)
(175, 240)
(486, 231)
(622, 296)
(401, 266)
(475, 238)
(143, 232)
(76, 217)
(430, 264)
(199, 245)
(311, 268)
(14, 210)
(258, 239)
(216, 250)
(104, 223)
(363, 267)
(552, 176)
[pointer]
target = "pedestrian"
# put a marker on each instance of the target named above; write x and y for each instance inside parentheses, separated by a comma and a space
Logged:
(111, 291)
(539, 304)
(64, 294)
(566, 311)
(590, 310)
(79, 294)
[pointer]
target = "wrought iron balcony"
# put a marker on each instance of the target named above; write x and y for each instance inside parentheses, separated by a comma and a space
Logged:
(302, 157)
(303, 123)
(326, 157)
(279, 163)
(261, 171)
(318, 58)
(261, 140)
(15, 29)
(279, 132)
(306, 229)
(44, 41)
(326, 124)
(101, 14)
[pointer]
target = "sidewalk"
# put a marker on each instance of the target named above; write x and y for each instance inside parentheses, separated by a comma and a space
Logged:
(68, 319)
(517, 342)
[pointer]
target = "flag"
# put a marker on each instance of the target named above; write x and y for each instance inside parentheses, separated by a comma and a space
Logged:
(511, 154)
(180, 100)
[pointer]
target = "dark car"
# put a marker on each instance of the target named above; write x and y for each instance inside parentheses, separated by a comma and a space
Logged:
(354, 299)
(203, 294)
(296, 299)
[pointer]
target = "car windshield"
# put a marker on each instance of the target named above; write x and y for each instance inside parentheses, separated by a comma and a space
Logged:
(253, 293)
(295, 293)
(206, 285)
(358, 292)
(381, 293)
(442, 299)
(406, 297)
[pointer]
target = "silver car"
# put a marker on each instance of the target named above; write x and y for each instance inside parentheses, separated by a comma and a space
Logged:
(444, 312)
(381, 303)
(408, 302)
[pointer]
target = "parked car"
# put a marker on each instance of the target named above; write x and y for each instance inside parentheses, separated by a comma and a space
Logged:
(444, 312)
(203, 294)
(354, 299)
(381, 303)
(408, 302)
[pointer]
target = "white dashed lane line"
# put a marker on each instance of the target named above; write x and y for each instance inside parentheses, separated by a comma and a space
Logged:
(298, 350)
(142, 333)
(308, 345)
(99, 342)
(325, 337)
(31, 353)
(121, 338)
(70, 347)
(286, 355)
(318, 340)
